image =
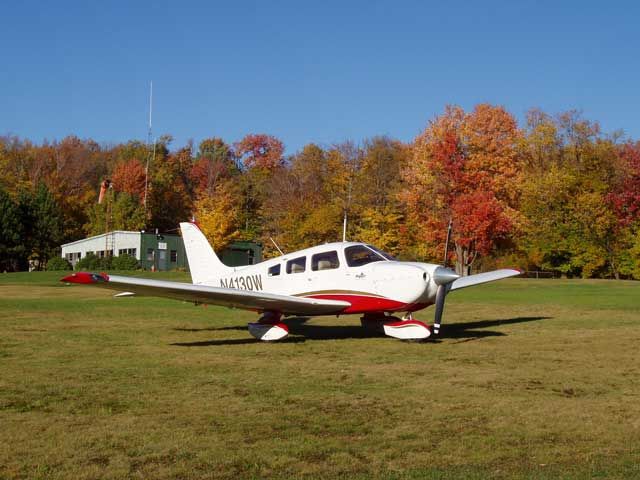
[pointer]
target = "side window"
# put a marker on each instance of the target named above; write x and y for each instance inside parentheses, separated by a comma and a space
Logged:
(297, 265)
(325, 261)
(273, 271)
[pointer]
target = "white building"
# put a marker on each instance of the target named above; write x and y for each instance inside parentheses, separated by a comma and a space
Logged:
(115, 243)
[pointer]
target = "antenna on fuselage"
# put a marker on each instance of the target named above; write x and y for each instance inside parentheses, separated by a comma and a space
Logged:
(344, 227)
(446, 243)
(276, 245)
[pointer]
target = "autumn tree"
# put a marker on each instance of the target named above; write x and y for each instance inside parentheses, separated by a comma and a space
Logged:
(260, 151)
(218, 214)
(261, 158)
(298, 211)
(570, 220)
(129, 177)
(171, 192)
(464, 168)
(214, 162)
(377, 214)
(119, 211)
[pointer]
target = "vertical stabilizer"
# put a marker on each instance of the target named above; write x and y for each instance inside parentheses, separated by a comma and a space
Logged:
(204, 264)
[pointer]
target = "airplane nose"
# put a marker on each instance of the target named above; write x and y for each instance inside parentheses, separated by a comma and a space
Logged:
(444, 276)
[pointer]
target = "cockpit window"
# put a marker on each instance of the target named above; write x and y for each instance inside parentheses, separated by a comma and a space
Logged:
(384, 254)
(358, 255)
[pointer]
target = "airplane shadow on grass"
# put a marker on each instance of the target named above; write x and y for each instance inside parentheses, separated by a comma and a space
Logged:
(301, 331)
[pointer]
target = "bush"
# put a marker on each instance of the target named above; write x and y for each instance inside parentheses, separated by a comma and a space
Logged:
(124, 262)
(57, 264)
(91, 262)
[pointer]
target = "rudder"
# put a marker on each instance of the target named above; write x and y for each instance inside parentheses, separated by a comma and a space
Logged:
(204, 264)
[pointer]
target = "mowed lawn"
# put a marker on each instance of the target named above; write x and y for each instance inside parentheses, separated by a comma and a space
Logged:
(531, 379)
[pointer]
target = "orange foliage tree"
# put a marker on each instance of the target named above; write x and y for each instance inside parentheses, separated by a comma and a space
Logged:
(129, 177)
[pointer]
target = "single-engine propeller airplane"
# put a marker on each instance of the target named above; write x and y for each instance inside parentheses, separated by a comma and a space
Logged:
(339, 278)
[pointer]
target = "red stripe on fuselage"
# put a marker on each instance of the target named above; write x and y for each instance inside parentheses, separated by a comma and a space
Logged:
(367, 304)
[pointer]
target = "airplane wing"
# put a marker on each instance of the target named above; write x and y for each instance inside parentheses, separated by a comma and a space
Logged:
(479, 278)
(228, 297)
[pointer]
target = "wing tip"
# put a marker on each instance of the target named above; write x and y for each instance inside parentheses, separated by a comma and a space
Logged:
(85, 278)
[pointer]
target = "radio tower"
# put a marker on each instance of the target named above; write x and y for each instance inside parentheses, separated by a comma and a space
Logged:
(149, 157)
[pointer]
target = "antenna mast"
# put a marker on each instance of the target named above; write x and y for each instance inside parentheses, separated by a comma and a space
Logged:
(344, 227)
(446, 244)
(149, 139)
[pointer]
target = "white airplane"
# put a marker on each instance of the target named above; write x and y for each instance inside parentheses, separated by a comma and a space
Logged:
(339, 278)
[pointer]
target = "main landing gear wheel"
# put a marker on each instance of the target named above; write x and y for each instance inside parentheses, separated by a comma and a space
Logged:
(407, 330)
(269, 328)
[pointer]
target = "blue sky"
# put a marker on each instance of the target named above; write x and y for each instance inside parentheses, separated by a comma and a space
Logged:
(308, 71)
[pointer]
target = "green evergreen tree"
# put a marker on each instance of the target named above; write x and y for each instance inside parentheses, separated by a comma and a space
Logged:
(11, 248)
(45, 226)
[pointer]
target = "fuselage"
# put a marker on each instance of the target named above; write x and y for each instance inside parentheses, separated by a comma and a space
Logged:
(370, 280)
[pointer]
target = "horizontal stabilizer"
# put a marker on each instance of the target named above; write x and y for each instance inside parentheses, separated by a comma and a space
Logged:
(479, 278)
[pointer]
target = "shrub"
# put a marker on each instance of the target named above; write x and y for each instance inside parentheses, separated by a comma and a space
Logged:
(56, 264)
(91, 262)
(124, 262)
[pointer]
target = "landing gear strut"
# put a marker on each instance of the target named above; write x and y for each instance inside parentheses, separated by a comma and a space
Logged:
(269, 328)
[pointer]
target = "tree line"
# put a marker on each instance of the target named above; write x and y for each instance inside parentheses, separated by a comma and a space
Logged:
(554, 194)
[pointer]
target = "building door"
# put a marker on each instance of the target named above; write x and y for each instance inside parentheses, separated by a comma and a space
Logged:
(162, 260)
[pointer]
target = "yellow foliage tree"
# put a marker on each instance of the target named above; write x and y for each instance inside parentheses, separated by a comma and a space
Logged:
(380, 227)
(218, 215)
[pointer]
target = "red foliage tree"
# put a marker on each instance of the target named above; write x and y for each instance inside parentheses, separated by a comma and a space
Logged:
(260, 150)
(625, 199)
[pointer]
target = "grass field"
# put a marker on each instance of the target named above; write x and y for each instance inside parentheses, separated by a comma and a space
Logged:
(532, 379)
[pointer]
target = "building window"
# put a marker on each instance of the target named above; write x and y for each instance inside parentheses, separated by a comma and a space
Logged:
(150, 254)
(297, 265)
(174, 256)
(127, 251)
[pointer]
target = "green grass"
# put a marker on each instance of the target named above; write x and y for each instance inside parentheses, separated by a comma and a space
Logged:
(532, 379)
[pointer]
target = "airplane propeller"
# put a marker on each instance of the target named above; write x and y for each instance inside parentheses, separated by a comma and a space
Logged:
(443, 277)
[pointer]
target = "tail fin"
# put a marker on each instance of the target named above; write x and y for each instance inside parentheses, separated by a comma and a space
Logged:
(204, 264)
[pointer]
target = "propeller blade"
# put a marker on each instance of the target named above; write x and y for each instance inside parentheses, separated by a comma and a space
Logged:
(442, 277)
(441, 293)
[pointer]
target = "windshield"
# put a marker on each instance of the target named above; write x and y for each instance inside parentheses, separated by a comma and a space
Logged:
(358, 255)
(384, 254)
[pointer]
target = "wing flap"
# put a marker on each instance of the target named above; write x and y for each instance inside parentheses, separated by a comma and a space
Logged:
(228, 297)
(479, 278)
